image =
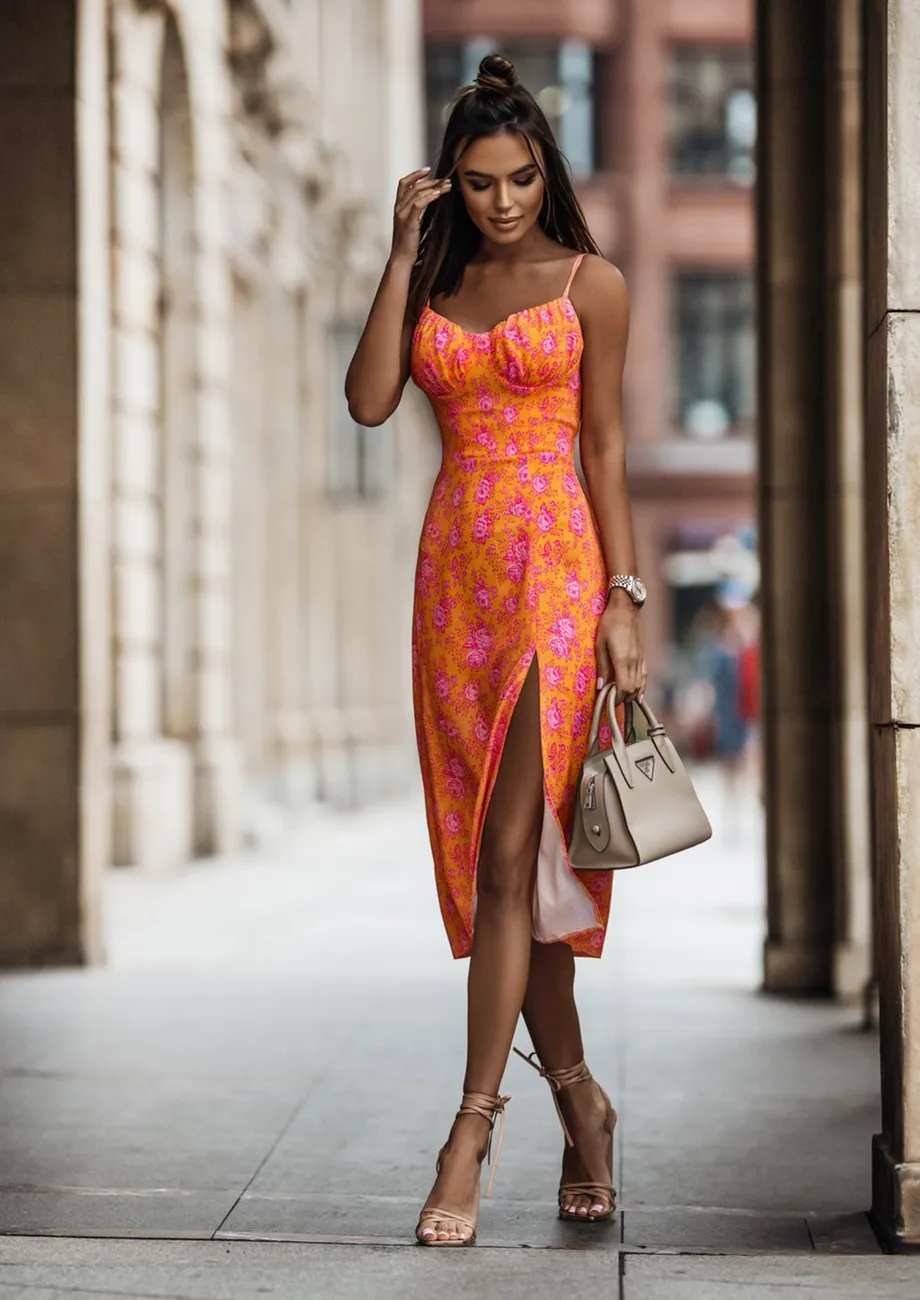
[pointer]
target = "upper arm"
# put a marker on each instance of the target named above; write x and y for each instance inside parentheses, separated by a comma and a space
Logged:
(601, 299)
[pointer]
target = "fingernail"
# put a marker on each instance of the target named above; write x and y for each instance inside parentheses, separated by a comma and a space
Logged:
(600, 682)
(426, 169)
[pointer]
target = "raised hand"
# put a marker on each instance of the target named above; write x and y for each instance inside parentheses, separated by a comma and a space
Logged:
(413, 195)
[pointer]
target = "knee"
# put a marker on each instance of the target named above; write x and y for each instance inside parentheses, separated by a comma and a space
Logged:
(507, 866)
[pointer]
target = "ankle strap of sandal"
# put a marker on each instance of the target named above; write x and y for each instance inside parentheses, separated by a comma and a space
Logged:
(558, 1080)
(480, 1103)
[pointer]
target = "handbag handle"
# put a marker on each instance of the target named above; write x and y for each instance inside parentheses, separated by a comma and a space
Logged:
(656, 732)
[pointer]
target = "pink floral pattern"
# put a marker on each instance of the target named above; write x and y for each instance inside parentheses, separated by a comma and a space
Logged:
(509, 566)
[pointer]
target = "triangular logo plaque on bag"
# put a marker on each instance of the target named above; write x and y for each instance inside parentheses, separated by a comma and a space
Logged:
(646, 766)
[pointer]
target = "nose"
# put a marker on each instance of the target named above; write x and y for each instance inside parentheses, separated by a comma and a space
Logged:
(503, 200)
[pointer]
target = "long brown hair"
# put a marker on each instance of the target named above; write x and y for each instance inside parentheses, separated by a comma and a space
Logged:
(496, 101)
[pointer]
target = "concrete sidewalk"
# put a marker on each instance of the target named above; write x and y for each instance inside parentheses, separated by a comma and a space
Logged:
(248, 1100)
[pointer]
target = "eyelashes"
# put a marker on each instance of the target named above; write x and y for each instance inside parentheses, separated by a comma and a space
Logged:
(479, 187)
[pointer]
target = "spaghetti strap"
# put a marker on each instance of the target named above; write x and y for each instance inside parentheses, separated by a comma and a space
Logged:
(575, 265)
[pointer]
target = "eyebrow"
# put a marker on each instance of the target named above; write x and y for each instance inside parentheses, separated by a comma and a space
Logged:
(528, 167)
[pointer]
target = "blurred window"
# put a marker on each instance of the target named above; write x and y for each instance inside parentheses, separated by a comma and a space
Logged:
(358, 458)
(713, 114)
(714, 347)
(561, 77)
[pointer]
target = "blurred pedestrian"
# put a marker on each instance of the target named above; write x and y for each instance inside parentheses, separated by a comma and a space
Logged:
(729, 665)
(497, 302)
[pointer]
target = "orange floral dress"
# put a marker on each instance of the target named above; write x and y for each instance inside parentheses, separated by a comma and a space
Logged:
(509, 567)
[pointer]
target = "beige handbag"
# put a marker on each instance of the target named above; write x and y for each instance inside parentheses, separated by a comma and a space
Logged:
(635, 801)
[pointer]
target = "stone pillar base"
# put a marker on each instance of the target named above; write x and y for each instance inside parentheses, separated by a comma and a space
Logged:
(218, 797)
(152, 800)
(852, 971)
(797, 967)
(895, 1197)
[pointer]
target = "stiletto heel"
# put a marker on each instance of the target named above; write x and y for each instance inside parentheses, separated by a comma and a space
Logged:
(603, 1193)
(473, 1103)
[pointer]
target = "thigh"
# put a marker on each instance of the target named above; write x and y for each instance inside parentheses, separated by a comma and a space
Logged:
(514, 820)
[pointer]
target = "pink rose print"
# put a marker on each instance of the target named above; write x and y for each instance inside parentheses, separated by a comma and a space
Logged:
(550, 343)
(483, 490)
(482, 597)
(483, 342)
(511, 604)
(519, 508)
(511, 446)
(570, 483)
(485, 404)
(471, 692)
(453, 822)
(546, 457)
(553, 675)
(545, 316)
(510, 414)
(483, 526)
(481, 729)
(572, 587)
(554, 716)
(477, 646)
(581, 683)
(575, 381)
(457, 496)
(516, 559)
(577, 521)
(571, 341)
(462, 357)
(512, 372)
(568, 310)
(441, 336)
(545, 519)
(566, 628)
(442, 686)
(440, 616)
(539, 483)
(524, 473)
(453, 536)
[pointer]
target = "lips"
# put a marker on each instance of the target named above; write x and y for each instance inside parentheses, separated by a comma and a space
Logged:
(505, 223)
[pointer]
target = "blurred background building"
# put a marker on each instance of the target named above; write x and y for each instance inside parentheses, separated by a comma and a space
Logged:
(206, 566)
(654, 107)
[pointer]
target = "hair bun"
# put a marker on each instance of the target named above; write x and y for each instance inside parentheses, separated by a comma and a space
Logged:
(496, 73)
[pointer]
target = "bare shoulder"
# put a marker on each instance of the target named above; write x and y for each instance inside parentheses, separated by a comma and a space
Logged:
(600, 286)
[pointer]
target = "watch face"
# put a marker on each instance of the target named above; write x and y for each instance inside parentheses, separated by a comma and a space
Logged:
(639, 590)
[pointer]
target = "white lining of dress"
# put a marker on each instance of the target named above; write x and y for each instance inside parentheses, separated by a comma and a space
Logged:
(561, 905)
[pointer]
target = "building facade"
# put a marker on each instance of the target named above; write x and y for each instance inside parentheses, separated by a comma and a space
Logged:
(206, 565)
(653, 105)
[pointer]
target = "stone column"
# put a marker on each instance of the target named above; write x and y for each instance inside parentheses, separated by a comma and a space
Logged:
(793, 512)
(892, 59)
(54, 481)
(852, 967)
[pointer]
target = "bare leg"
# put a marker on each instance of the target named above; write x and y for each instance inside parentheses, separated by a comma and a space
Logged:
(552, 1021)
(500, 959)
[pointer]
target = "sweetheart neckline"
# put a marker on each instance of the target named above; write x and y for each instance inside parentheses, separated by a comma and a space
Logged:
(523, 311)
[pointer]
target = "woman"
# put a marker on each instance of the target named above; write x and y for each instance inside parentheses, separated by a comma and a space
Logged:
(496, 301)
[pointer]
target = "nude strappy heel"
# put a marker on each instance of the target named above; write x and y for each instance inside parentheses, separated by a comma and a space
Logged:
(602, 1193)
(473, 1103)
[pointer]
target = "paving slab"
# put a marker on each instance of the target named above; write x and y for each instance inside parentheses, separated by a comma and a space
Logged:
(393, 1219)
(699, 1277)
(286, 1271)
(843, 1234)
(715, 1230)
(116, 1213)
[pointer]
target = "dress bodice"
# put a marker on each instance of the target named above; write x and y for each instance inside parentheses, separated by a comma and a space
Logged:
(512, 391)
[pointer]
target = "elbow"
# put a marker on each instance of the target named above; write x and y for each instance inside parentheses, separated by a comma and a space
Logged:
(367, 415)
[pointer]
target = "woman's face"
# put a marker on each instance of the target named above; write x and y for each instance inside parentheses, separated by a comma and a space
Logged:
(501, 186)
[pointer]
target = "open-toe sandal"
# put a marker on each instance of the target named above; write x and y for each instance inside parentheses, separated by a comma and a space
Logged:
(473, 1103)
(602, 1194)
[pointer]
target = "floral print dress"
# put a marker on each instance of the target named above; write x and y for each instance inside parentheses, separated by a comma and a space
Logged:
(509, 568)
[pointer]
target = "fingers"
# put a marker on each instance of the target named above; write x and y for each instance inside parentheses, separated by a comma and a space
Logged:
(604, 671)
(629, 673)
(419, 198)
(407, 182)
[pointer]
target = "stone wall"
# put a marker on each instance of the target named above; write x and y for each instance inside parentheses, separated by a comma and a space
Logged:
(207, 569)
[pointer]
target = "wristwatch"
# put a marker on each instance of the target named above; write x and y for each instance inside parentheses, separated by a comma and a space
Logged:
(634, 587)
